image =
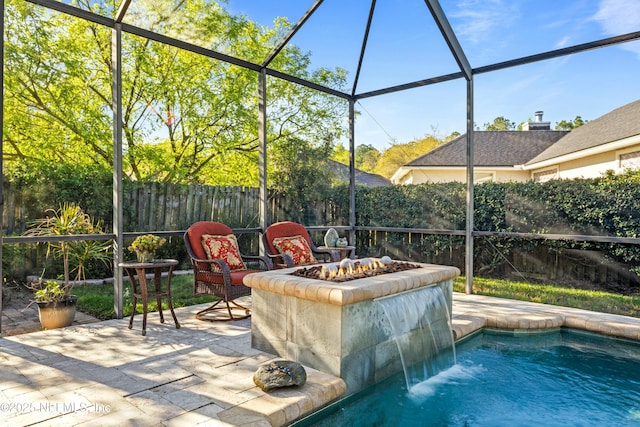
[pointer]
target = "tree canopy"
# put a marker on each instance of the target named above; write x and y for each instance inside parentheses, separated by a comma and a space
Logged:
(500, 123)
(399, 154)
(570, 124)
(186, 117)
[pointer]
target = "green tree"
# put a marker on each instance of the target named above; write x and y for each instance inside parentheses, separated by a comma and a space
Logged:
(500, 123)
(570, 124)
(50, 65)
(299, 169)
(399, 154)
(340, 154)
(366, 157)
(186, 117)
(453, 135)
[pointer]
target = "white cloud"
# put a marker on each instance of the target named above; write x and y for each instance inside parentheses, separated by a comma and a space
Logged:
(478, 19)
(563, 42)
(619, 17)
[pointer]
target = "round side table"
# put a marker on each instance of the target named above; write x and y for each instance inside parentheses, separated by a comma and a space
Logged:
(139, 290)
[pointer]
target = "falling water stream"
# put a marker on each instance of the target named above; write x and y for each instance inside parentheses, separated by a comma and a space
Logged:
(420, 323)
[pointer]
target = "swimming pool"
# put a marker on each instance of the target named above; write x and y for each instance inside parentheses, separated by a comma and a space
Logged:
(564, 378)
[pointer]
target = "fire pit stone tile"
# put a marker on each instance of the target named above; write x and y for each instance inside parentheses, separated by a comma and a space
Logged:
(289, 286)
(360, 293)
(337, 297)
(300, 291)
(276, 285)
(323, 293)
(311, 293)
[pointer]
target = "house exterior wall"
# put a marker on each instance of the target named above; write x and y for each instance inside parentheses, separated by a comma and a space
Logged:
(513, 175)
(421, 176)
(589, 166)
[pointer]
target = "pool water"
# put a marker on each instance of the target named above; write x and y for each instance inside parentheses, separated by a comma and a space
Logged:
(563, 378)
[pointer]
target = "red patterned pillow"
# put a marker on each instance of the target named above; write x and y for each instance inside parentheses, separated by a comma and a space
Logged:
(224, 248)
(297, 248)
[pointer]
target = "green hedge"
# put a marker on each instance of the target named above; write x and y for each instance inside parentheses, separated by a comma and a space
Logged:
(609, 205)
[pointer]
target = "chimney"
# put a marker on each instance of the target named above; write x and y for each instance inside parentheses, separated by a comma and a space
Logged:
(537, 124)
(539, 116)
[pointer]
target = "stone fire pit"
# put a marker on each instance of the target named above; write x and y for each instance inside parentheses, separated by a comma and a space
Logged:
(336, 327)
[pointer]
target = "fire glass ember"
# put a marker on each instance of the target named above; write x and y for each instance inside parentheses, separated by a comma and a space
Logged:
(349, 269)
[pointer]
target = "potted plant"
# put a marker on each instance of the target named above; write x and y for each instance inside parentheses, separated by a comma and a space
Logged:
(145, 247)
(56, 305)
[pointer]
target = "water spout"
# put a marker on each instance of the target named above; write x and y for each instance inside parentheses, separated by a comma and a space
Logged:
(420, 323)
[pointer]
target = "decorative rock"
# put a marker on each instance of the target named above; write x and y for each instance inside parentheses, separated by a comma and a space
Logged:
(386, 260)
(329, 270)
(331, 238)
(366, 263)
(279, 373)
(347, 264)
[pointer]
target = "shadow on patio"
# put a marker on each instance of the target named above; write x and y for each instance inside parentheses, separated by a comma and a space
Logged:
(200, 373)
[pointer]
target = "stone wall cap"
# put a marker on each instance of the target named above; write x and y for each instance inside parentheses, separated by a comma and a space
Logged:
(345, 293)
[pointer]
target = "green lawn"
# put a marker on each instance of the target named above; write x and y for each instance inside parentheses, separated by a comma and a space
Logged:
(98, 300)
(552, 294)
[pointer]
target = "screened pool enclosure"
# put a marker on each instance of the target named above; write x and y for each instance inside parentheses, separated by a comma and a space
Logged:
(288, 59)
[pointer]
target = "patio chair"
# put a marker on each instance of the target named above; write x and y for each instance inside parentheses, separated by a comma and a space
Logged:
(219, 267)
(288, 244)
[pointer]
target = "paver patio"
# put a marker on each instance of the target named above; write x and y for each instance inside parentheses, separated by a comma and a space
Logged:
(202, 374)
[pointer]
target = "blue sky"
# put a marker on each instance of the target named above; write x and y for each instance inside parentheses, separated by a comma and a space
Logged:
(405, 46)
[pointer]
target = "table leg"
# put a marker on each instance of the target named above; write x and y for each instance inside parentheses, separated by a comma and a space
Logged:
(157, 279)
(175, 319)
(142, 281)
(132, 282)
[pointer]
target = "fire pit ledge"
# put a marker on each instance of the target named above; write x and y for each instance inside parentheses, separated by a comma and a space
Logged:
(345, 293)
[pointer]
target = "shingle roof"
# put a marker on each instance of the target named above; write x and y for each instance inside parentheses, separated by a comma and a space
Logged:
(492, 148)
(341, 172)
(618, 124)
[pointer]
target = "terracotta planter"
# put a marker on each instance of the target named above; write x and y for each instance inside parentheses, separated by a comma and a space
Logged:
(57, 314)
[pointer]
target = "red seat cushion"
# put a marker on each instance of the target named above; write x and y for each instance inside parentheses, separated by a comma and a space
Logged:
(285, 229)
(236, 276)
(196, 231)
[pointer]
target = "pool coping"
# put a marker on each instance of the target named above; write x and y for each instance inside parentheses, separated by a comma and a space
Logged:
(474, 312)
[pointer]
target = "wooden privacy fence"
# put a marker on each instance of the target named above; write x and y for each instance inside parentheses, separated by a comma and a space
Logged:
(163, 206)
(14, 212)
(158, 206)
